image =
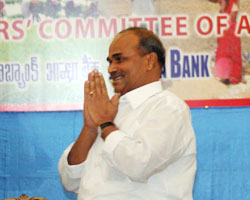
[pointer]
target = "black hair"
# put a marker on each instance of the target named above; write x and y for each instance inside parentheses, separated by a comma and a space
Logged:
(148, 43)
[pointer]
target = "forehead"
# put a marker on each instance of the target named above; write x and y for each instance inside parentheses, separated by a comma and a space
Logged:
(124, 43)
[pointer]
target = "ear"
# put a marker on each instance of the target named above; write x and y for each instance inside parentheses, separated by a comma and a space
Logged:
(152, 60)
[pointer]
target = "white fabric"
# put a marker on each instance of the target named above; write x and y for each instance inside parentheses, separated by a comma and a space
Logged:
(151, 157)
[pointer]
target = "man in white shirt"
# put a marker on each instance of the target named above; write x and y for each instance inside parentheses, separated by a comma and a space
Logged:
(139, 145)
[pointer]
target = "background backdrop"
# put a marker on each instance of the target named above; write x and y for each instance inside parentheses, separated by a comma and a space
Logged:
(47, 48)
(32, 143)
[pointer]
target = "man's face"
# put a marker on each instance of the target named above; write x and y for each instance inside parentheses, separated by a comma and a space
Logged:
(127, 65)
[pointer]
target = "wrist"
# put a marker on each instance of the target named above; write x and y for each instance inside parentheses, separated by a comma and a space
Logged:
(106, 124)
(90, 128)
(107, 128)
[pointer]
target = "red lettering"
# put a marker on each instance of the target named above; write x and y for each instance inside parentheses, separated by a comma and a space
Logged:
(42, 27)
(107, 30)
(165, 26)
(180, 25)
(220, 25)
(244, 25)
(18, 29)
(151, 21)
(207, 20)
(4, 29)
(135, 21)
(60, 30)
(89, 27)
(123, 23)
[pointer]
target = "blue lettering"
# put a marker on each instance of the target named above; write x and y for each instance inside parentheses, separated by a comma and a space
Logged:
(186, 67)
(9, 73)
(1, 73)
(204, 66)
(195, 66)
(27, 72)
(16, 73)
(175, 63)
(34, 69)
(164, 72)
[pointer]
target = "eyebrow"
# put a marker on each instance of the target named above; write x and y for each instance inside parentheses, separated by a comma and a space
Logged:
(114, 56)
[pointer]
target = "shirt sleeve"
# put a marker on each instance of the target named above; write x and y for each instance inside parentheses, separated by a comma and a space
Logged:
(70, 174)
(157, 141)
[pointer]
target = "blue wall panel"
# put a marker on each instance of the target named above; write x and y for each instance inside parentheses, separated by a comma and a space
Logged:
(32, 143)
(223, 146)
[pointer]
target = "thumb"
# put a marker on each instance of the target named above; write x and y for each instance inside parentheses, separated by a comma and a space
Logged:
(115, 99)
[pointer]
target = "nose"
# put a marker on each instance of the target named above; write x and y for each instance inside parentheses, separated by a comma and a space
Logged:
(112, 68)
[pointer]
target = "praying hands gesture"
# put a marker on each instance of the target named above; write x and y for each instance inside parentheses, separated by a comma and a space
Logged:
(98, 108)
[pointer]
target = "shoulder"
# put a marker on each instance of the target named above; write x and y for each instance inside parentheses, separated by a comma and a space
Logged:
(171, 100)
(166, 105)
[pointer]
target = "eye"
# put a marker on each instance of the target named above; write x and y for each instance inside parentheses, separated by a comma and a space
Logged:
(120, 59)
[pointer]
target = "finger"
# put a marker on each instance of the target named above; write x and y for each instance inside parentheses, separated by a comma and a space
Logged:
(92, 83)
(86, 90)
(103, 86)
(90, 75)
(98, 83)
(115, 99)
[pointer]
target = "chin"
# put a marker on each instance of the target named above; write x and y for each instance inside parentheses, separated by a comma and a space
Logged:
(119, 90)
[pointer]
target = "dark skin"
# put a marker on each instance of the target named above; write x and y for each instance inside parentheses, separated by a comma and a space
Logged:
(125, 63)
(97, 102)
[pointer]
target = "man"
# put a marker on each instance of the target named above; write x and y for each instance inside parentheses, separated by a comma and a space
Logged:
(139, 145)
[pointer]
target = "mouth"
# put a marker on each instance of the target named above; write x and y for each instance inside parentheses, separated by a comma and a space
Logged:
(116, 76)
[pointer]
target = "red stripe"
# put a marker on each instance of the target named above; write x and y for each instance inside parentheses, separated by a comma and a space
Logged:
(218, 103)
(40, 107)
(78, 106)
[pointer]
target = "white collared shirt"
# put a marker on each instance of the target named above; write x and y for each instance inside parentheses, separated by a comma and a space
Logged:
(151, 157)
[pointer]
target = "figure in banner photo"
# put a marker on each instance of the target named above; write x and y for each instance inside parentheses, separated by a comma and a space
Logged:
(1, 8)
(140, 144)
(142, 8)
(228, 61)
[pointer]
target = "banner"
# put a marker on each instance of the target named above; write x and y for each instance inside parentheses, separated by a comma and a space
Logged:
(48, 47)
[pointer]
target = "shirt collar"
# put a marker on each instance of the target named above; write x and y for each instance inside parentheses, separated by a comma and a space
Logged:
(137, 96)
